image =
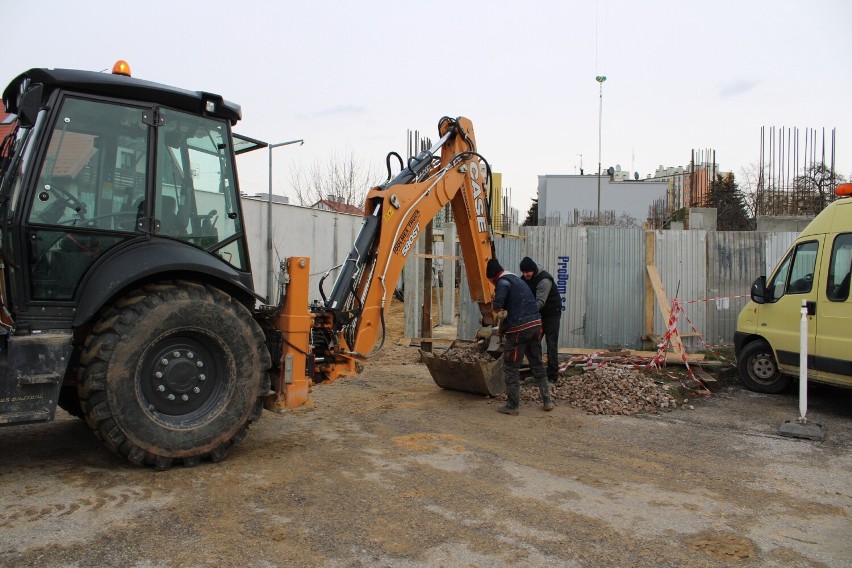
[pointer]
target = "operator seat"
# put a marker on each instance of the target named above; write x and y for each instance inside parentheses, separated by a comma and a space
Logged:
(168, 216)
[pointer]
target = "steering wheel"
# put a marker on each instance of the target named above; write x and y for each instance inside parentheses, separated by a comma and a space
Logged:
(64, 199)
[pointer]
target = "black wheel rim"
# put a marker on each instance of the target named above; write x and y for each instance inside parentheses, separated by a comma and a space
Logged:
(181, 378)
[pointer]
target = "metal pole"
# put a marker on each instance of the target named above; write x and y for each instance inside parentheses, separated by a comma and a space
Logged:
(600, 79)
(803, 363)
(270, 271)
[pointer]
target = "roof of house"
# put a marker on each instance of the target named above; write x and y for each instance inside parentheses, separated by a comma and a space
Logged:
(337, 206)
(5, 128)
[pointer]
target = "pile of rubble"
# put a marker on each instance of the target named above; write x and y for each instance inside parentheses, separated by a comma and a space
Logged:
(607, 385)
(466, 353)
(607, 390)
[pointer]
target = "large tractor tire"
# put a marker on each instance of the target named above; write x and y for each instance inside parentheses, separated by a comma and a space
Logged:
(173, 372)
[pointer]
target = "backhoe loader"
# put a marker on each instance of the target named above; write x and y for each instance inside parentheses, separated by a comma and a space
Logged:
(126, 285)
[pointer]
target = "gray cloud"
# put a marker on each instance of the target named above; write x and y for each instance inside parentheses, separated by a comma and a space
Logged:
(737, 87)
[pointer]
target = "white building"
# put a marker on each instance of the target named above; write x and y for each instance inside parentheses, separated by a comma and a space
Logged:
(573, 199)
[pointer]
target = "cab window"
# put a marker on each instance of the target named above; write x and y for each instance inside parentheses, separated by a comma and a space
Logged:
(196, 199)
(89, 195)
(795, 275)
(840, 269)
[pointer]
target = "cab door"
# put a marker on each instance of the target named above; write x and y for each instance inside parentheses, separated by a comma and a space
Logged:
(833, 353)
(779, 320)
(89, 194)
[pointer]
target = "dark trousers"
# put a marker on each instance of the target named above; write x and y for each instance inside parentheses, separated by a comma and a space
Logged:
(550, 325)
(518, 344)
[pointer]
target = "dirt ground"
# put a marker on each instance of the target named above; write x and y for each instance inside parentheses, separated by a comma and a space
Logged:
(386, 469)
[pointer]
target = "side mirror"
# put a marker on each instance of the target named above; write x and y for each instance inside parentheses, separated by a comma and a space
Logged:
(758, 290)
(29, 105)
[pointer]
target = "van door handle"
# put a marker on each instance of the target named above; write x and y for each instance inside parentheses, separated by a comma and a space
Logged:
(811, 306)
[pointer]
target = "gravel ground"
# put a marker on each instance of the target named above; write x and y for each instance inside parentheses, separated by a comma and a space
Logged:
(385, 469)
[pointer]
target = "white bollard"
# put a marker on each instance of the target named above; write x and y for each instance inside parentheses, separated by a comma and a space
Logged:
(803, 363)
(801, 428)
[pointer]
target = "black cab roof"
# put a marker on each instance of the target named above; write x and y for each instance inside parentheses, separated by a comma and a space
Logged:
(121, 86)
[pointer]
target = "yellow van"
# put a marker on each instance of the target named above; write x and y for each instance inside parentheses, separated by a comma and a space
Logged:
(816, 269)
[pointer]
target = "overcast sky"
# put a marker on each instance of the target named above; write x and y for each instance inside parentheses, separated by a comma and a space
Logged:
(354, 76)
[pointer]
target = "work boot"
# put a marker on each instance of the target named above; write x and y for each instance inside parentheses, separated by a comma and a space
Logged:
(544, 390)
(513, 400)
(506, 409)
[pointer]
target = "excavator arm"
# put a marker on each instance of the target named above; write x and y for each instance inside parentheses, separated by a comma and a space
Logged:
(329, 341)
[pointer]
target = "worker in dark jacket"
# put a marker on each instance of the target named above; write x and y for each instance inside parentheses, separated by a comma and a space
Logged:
(549, 306)
(521, 330)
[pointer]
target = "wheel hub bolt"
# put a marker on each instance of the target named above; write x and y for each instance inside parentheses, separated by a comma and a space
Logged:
(164, 361)
(171, 397)
(158, 374)
(199, 363)
(176, 354)
(190, 354)
(202, 377)
(196, 390)
(184, 397)
(161, 388)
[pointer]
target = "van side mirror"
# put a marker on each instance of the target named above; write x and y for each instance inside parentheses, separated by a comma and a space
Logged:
(758, 290)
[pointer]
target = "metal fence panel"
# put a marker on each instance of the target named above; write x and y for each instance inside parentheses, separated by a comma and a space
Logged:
(734, 260)
(680, 257)
(615, 288)
(563, 252)
(776, 245)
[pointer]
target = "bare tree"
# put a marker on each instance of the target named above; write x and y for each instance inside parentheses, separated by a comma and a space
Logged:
(815, 188)
(342, 178)
(751, 183)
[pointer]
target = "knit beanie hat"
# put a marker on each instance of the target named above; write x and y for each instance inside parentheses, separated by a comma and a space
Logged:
(493, 268)
(528, 265)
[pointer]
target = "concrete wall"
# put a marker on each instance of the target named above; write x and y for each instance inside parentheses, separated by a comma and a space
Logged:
(324, 236)
(561, 195)
(783, 224)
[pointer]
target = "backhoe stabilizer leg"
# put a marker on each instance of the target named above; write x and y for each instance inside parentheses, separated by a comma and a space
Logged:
(292, 384)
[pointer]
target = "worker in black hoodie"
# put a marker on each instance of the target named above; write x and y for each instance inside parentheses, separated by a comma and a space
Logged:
(549, 306)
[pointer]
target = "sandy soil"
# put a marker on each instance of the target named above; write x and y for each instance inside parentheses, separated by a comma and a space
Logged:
(386, 469)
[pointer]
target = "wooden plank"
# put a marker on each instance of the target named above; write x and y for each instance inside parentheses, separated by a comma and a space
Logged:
(703, 375)
(665, 307)
(650, 243)
(670, 357)
(409, 341)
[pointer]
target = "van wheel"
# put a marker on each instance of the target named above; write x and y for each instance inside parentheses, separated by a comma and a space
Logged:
(758, 369)
(173, 372)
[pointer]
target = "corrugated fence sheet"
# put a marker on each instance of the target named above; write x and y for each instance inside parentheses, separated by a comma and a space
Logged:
(601, 274)
(734, 260)
(615, 288)
(680, 257)
(563, 252)
(776, 245)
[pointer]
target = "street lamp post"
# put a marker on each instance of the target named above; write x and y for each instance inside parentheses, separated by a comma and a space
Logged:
(270, 275)
(600, 79)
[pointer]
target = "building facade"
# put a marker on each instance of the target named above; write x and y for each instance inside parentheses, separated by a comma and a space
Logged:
(573, 199)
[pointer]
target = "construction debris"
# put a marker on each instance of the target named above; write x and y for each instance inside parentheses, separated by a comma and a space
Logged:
(606, 390)
(467, 353)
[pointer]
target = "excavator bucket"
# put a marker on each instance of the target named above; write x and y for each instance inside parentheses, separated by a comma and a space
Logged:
(467, 367)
